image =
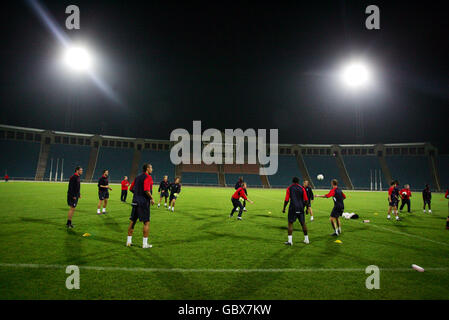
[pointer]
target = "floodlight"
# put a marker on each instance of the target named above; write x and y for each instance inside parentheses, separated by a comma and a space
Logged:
(77, 59)
(355, 75)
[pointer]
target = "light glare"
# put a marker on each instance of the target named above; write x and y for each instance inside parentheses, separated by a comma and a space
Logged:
(77, 59)
(355, 75)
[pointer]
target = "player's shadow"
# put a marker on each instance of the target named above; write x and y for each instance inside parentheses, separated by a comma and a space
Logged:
(73, 248)
(181, 285)
(110, 223)
(246, 284)
(42, 221)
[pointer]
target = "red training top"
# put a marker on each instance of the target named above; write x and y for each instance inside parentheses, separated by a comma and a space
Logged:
(147, 184)
(240, 192)
(407, 195)
(125, 184)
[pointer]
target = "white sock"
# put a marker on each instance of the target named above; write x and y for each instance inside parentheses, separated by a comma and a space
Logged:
(165, 204)
(98, 210)
(145, 241)
(290, 239)
(311, 218)
(129, 239)
(306, 238)
(424, 211)
(104, 209)
(397, 217)
(169, 207)
(430, 211)
(172, 208)
(158, 205)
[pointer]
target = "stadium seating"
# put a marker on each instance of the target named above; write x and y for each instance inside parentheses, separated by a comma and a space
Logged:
(161, 163)
(200, 178)
(413, 170)
(253, 180)
(73, 155)
(359, 167)
(19, 158)
(117, 161)
(326, 165)
(443, 168)
(287, 168)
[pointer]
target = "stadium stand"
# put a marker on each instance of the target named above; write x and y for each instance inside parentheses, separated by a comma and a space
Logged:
(117, 161)
(200, 178)
(253, 180)
(413, 170)
(162, 165)
(443, 169)
(73, 156)
(19, 158)
(359, 169)
(325, 165)
(28, 154)
(287, 168)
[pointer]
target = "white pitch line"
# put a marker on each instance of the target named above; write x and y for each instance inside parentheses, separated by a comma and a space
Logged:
(182, 270)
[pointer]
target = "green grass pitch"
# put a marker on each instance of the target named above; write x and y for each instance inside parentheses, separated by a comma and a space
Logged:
(199, 253)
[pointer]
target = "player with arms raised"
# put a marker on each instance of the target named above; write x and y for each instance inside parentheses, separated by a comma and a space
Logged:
(338, 196)
(297, 196)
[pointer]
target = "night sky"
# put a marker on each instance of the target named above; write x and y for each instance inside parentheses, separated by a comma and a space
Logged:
(232, 65)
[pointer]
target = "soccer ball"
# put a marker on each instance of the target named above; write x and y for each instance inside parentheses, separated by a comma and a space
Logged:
(320, 177)
(404, 194)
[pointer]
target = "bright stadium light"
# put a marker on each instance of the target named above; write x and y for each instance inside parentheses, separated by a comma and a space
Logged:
(355, 75)
(77, 59)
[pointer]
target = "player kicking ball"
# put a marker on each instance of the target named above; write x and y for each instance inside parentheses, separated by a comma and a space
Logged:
(338, 196)
(393, 199)
(175, 189)
(163, 191)
(235, 199)
(141, 188)
(297, 196)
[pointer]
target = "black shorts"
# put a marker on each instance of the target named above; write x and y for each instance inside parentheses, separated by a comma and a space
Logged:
(393, 203)
(140, 212)
(293, 215)
(103, 194)
(308, 204)
(172, 196)
(427, 202)
(164, 194)
(336, 212)
(72, 202)
(236, 203)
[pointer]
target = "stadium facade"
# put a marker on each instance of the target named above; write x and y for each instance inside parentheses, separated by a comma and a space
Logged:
(43, 155)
